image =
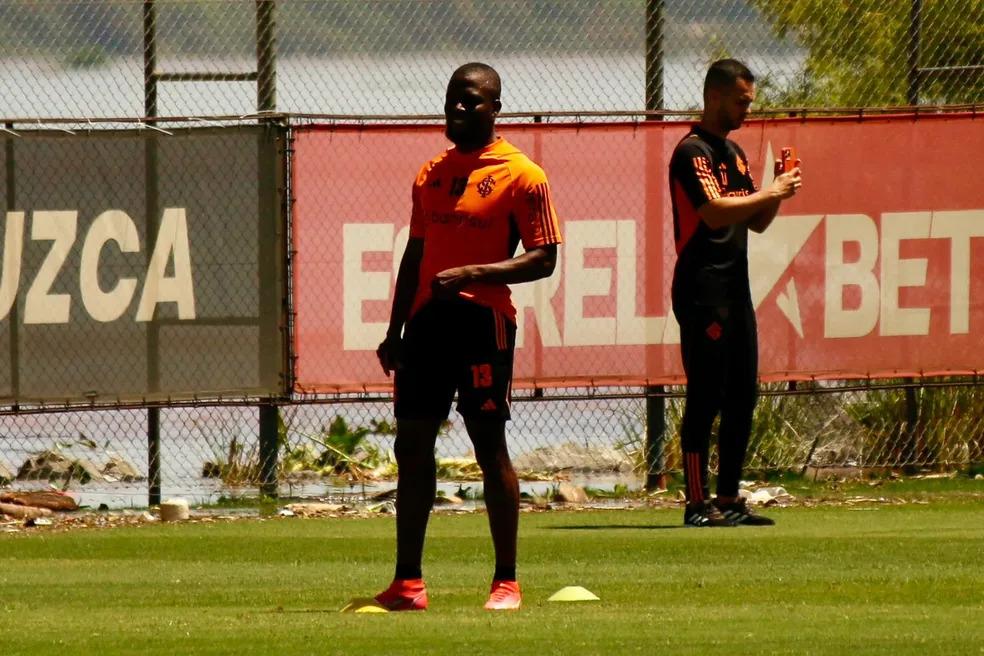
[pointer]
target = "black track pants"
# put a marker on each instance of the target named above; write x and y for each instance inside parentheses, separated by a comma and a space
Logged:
(719, 345)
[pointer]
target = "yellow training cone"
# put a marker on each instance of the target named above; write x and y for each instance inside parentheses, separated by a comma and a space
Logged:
(573, 593)
(364, 605)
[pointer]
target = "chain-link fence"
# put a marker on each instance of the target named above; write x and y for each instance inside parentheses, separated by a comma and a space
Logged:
(86, 61)
(343, 447)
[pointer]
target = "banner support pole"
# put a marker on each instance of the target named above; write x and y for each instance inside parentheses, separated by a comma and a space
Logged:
(266, 101)
(151, 207)
(655, 447)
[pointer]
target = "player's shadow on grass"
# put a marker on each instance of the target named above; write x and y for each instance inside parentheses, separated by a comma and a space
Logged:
(606, 527)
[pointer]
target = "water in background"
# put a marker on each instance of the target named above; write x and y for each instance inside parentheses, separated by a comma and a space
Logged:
(359, 85)
(608, 429)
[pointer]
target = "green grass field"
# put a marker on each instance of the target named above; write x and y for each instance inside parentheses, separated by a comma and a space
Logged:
(902, 579)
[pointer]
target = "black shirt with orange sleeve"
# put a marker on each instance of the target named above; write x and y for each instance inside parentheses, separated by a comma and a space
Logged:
(712, 264)
(475, 208)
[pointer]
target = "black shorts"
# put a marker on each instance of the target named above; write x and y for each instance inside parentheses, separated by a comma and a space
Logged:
(455, 345)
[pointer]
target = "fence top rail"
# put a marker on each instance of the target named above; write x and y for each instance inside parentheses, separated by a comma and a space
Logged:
(769, 112)
(8, 124)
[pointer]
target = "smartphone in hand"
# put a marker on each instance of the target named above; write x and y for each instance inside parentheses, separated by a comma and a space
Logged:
(788, 159)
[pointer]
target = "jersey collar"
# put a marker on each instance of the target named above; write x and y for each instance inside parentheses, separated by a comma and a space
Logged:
(497, 146)
(707, 136)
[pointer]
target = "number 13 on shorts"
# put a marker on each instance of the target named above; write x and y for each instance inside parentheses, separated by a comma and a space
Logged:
(481, 375)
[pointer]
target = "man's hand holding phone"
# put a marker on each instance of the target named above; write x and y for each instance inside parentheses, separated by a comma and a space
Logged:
(788, 175)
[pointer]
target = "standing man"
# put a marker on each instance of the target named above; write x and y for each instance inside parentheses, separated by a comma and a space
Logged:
(715, 203)
(453, 325)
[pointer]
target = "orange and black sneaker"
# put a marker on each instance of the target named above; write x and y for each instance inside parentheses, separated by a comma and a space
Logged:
(504, 595)
(404, 594)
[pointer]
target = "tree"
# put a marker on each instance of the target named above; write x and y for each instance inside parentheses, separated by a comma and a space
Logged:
(858, 51)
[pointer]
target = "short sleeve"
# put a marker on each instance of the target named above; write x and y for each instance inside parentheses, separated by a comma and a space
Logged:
(744, 167)
(417, 224)
(691, 167)
(533, 208)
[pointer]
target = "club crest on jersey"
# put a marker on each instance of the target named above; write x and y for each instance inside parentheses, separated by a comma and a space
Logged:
(486, 186)
(723, 168)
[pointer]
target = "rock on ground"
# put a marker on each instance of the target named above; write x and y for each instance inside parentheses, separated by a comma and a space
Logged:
(40, 499)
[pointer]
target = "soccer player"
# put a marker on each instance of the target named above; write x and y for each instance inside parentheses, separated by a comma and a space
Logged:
(453, 325)
(715, 204)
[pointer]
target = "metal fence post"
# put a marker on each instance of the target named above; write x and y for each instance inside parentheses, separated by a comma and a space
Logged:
(915, 27)
(153, 456)
(910, 436)
(266, 101)
(150, 58)
(655, 438)
(150, 184)
(655, 402)
(266, 56)
(654, 54)
(269, 420)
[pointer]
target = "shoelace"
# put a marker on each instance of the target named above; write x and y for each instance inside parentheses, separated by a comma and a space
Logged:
(712, 512)
(741, 508)
(404, 592)
(501, 593)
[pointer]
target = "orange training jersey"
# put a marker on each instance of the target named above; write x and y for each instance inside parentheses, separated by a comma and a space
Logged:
(474, 208)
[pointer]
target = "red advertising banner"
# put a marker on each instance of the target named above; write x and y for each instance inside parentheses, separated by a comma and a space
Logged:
(874, 269)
